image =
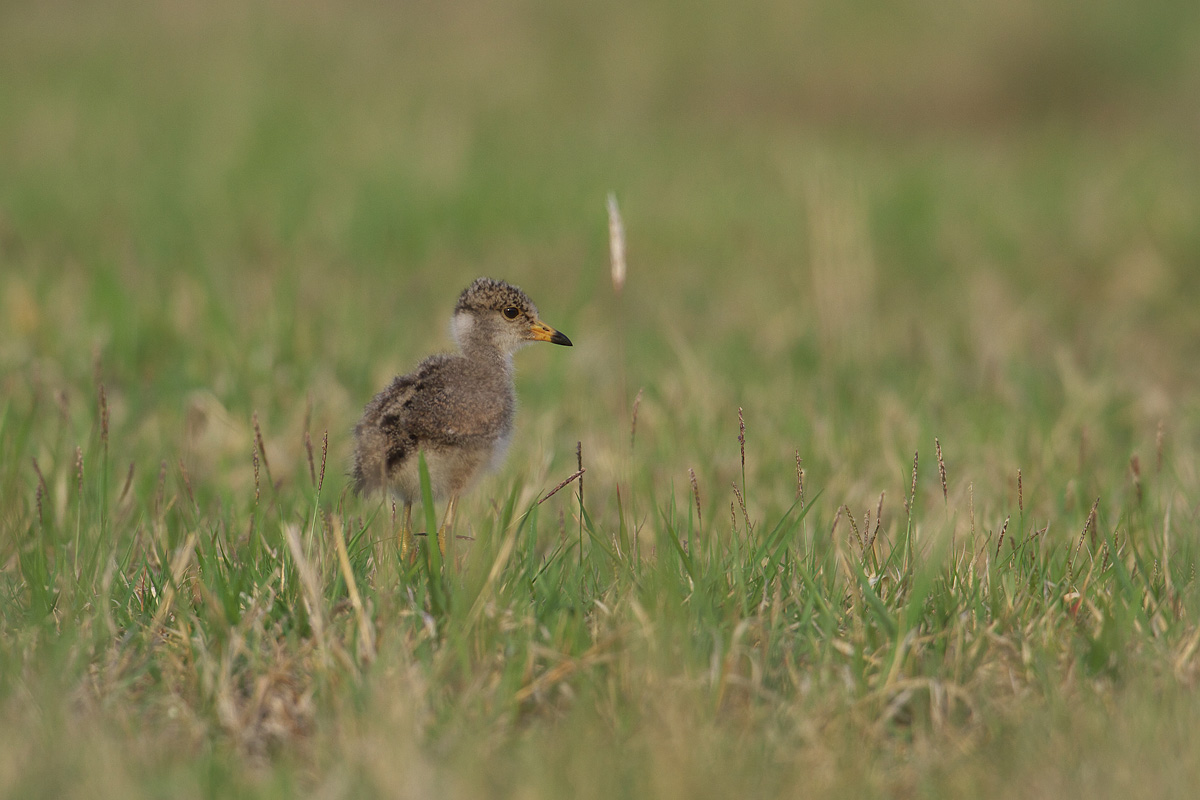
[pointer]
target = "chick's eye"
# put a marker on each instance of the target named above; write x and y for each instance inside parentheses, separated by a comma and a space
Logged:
(512, 312)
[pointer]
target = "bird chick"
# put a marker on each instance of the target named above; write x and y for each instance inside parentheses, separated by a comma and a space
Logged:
(456, 409)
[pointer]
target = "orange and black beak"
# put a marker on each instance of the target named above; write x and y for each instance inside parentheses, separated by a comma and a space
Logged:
(541, 332)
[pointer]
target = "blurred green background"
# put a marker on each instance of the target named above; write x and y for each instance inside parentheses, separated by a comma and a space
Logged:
(864, 222)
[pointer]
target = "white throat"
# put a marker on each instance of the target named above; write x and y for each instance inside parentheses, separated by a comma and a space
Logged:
(461, 326)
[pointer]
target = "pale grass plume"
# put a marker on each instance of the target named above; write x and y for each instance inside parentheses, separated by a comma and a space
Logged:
(616, 243)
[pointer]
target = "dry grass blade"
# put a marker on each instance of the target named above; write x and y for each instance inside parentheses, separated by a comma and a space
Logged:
(564, 669)
(311, 585)
(366, 632)
(502, 557)
(179, 565)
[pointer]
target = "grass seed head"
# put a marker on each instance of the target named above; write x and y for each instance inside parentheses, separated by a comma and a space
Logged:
(160, 495)
(308, 450)
(878, 521)
(912, 492)
(1087, 526)
(103, 417)
(741, 501)
(254, 458)
(695, 494)
(1020, 493)
(742, 440)
(579, 466)
(799, 479)
(854, 527)
(941, 470)
(187, 482)
(561, 484)
(38, 471)
(324, 455)
(262, 448)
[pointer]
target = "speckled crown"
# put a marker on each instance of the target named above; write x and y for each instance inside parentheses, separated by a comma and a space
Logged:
(486, 293)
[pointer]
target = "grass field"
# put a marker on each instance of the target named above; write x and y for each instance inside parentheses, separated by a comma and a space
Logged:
(945, 261)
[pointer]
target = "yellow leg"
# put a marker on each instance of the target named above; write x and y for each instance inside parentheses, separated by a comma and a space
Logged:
(405, 533)
(445, 535)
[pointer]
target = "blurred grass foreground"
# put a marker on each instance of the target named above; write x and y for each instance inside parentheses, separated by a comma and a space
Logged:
(892, 439)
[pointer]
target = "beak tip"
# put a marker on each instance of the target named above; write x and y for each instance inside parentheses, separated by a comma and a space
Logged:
(559, 337)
